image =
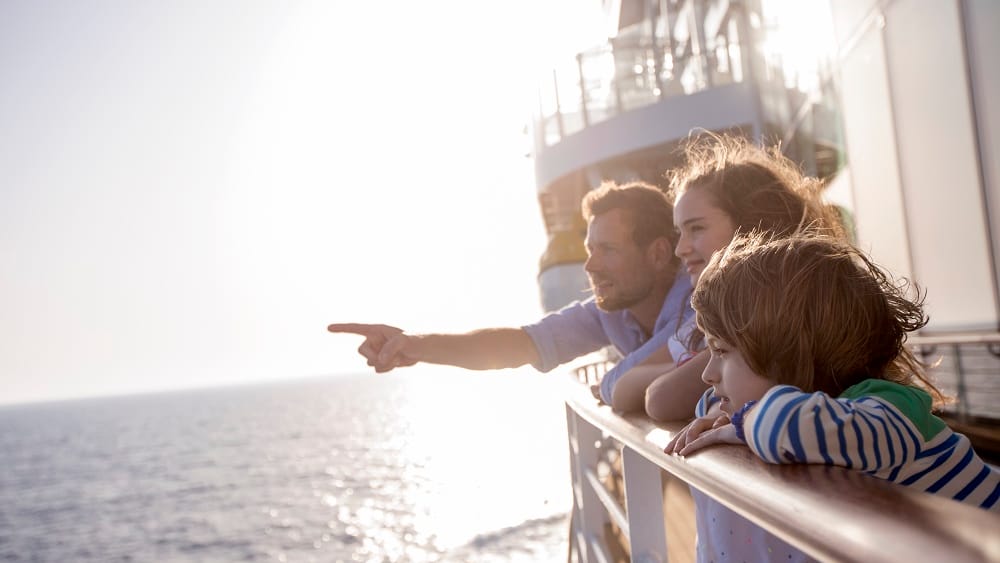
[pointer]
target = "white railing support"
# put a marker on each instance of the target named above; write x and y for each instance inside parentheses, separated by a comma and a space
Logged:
(589, 516)
(644, 503)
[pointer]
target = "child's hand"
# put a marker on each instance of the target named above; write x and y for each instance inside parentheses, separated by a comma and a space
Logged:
(701, 433)
(691, 432)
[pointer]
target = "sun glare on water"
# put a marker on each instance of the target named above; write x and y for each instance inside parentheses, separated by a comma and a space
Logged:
(394, 187)
(487, 447)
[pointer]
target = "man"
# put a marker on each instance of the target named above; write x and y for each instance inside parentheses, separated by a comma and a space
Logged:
(639, 299)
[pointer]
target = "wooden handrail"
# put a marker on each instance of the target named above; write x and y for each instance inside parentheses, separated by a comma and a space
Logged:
(830, 513)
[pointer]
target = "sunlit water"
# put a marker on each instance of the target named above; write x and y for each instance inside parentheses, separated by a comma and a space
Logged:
(458, 467)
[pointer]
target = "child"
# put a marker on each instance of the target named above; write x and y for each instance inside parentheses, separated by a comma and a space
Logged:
(808, 364)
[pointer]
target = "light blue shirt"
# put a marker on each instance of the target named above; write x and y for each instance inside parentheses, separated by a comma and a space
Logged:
(581, 327)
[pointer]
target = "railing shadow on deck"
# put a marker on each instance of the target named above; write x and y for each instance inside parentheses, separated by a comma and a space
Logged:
(830, 513)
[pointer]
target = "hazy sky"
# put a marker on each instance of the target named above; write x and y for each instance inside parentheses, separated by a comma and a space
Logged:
(190, 191)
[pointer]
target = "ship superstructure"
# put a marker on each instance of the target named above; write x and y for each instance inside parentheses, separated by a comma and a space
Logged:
(617, 111)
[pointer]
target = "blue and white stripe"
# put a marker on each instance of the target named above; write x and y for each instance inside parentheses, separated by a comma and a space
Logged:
(868, 434)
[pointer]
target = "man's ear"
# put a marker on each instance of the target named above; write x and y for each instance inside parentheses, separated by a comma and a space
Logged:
(661, 252)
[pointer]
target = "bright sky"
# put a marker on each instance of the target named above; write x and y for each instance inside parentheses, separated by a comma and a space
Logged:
(191, 191)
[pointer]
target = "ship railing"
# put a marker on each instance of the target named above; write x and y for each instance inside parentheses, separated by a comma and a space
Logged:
(966, 366)
(829, 513)
(691, 46)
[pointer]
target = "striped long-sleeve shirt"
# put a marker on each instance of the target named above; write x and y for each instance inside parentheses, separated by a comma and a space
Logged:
(881, 428)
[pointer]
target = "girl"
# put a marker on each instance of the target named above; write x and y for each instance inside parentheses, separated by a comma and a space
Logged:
(808, 364)
(727, 184)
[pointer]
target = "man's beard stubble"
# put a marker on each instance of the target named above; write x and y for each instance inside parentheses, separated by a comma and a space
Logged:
(617, 303)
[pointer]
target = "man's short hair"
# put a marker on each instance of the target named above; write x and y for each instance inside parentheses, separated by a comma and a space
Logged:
(647, 206)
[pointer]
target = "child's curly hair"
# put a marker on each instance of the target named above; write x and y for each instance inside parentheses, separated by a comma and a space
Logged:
(812, 311)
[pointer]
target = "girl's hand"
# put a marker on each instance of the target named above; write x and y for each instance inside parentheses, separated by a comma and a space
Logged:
(595, 390)
(701, 433)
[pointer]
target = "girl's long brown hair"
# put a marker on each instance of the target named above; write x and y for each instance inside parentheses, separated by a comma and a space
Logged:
(757, 187)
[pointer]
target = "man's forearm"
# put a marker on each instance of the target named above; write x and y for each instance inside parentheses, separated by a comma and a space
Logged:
(490, 348)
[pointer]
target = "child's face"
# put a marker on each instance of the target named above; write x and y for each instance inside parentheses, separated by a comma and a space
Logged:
(703, 227)
(734, 382)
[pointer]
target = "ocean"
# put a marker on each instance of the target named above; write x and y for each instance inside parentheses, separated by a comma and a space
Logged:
(463, 466)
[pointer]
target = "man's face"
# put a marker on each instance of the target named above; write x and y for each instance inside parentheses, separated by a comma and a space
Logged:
(621, 273)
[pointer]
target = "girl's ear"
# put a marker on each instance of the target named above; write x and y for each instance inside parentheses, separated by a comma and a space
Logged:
(660, 253)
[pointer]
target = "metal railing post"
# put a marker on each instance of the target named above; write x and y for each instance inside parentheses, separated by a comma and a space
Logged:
(584, 112)
(559, 115)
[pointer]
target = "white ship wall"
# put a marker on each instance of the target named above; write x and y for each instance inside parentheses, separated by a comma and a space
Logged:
(918, 116)
(982, 19)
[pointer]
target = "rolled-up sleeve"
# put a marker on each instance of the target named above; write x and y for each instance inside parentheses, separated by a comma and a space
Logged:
(673, 326)
(632, 359)
(568, 333)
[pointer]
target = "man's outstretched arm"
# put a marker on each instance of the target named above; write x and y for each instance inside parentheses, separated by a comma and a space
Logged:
(387, 347)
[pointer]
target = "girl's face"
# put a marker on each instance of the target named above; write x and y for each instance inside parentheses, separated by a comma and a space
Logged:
(703, 227)
(733, 380)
